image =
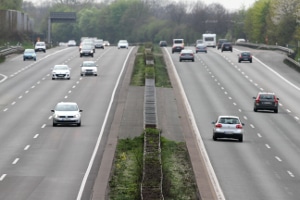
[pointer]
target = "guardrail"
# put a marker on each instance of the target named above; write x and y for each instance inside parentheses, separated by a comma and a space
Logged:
(286, 50)
(5, 51)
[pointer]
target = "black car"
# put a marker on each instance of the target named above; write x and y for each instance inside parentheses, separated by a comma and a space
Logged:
(226, 46)
(266, 101)
(220, 42)
(245, 56)
(87, 50)
(163, 43)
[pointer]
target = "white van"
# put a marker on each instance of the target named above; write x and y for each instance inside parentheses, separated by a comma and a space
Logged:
(178, 45)
(40, 46)
(210, 39)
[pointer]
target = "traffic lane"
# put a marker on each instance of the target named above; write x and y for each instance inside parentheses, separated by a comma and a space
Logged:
(213, 107)
(52, 142)
(280, 120)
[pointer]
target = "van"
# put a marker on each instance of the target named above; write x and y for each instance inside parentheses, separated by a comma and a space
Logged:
(40, 46)
(178, 45)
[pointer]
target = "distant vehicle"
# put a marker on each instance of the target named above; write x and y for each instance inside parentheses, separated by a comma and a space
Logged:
(66, 113)
(186, 54)
(240, 40)
(266, 101)
(123, 44)
(163, 43)
(178, 45)
(245, 56)
(88, 68)
(209, 39)
(228, 127)
(199, 41)
(106, 43)
(201, 48)
(40, 46)
(29, 54)
(71, 43)
(88, 41)
(99, 44)
(61, 72)
(87, 50)
(226, 46)
(220, 42)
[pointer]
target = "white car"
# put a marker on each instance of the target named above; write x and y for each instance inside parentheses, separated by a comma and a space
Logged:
(66, 113)
(89, 68)
(228, 127)
(61, 72)
(71, 43)
(123, 44)
(40, 46)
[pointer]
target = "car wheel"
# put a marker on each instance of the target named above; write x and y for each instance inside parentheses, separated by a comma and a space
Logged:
(34, 59)
(79, 124)
(250, 61)
(24, 59)
(276, 111)
(239, 61)
(53, 78)
(214, 138)
(92, 55)
(80, 55)
(193, 60)
(54, 124)
(241, 139)
(96, 74)
(255, 109)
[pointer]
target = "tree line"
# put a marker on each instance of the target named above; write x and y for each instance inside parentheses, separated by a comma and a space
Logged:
(266, 21)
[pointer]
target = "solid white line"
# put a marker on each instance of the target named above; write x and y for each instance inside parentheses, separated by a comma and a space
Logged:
(102, 129)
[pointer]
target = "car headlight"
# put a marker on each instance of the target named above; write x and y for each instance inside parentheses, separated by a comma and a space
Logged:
(81, 51)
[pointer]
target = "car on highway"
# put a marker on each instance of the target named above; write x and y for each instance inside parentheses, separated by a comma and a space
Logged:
(29, 54)
(89, 68)
(106, 43)
(266, 101)
(163, 43)
(86, 50)
(199, 41)
(228, 126)
(71, 43)
(99, 44)
(226, 46)
(61, 72)
(123, 44)
(201, 48)
(186, 54)
(220, 42)
(178, 45)
(66, 113)
(40, 46)
(245, 56)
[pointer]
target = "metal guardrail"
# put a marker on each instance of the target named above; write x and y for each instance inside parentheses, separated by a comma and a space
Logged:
(5, 51)
(286, 50)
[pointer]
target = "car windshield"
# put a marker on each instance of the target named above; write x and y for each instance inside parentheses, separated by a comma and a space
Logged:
(245, 54)
(66, 107)
(228, 120)
(88, 64)
(29, 50)
(59, 67)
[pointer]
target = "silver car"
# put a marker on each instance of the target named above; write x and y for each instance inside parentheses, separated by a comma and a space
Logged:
(186, 54)
(228, 127)
(66, 113)
(61, 72)
(89, 68)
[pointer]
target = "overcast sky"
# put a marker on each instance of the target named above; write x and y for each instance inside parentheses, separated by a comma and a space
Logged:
(231, 5)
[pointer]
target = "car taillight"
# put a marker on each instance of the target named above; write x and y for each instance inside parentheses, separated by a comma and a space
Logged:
(218, 125)
(239, 126)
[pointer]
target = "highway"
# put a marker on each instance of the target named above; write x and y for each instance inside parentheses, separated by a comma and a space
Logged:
(39, 161)
(265, 165)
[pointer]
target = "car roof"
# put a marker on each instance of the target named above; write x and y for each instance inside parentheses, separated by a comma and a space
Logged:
(186, 50)
(228, 116)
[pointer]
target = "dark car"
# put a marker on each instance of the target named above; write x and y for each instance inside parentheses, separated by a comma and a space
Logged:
(186, 54)
(220, 42)
(266, 101)
(226, 46)
(163, 43)
(245, 56)
(87, 50)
